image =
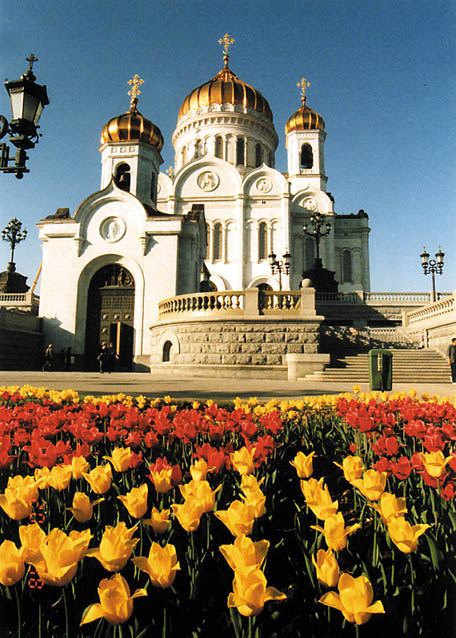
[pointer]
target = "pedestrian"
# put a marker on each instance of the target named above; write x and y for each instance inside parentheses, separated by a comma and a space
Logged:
(102, 358)
(67, 358)
(113, 358)
(48, 358)
(451, 354)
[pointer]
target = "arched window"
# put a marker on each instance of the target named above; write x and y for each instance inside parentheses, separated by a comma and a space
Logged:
(167, 351)
(263, 241)
(198, 148)
(122, 176)
(183, 155)
(240, 150)
(217, 242)
(306, 160)
(258, 155)
(347, 267)
(219, 147)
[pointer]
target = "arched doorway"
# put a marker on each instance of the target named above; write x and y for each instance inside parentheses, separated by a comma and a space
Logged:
(110, 316)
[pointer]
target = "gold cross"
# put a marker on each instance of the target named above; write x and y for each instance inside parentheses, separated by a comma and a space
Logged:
(303, 85)
(170, 171)
(227, 42)
(31, 60)
(136, 82)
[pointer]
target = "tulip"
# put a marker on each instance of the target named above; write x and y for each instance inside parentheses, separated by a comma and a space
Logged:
(242, 460)
(372, 485)
(199, 470)
(82, 508)
(99, 478)
(404, 535)
(161, 565)
(19, 496)
(201, 493)
(136, 501)
(244, 554)
(60, 476)
(116, 604)
(42, 476)
(250, 592)
(159, 521)
(354, 599)
(12, 566)
(390, 507)
(335, 531)
(120, 458)
(188, 514)
(116, 546)
(59, 556)
(303, 464)
(318, 498)
(327, 567)
(353, 468)
(31, 537)
(78, 466)
(434, 463)
(239, 518)
(252, 494)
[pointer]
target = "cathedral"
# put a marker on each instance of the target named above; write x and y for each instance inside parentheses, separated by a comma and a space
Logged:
(212, 222)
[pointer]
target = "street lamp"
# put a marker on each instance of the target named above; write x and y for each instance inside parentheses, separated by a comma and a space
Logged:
(316, 219)
(13, 234)
(432, 266)
(27, 102)
(280, 266)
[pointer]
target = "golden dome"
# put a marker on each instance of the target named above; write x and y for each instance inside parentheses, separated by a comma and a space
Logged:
(304, 120)
(225, 88)
(132, 126)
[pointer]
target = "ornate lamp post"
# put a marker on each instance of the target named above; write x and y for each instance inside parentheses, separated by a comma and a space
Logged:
(13, 234)
(280, 266)
(432, 266)
(316, 219)
(27, 102)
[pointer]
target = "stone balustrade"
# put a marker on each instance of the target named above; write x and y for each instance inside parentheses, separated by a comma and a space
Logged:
(434, 325)
(26, 301)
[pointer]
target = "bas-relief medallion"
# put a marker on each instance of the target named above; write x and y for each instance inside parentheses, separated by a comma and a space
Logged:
(208, 181)
(263, 185)
(112, 229)
(310, 203)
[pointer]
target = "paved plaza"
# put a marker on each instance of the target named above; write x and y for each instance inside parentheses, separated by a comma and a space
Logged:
(197, 388)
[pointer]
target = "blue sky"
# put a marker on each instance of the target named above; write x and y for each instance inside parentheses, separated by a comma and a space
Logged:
(382, 75)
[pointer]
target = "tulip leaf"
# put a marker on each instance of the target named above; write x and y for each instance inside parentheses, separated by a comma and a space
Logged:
(436, 554)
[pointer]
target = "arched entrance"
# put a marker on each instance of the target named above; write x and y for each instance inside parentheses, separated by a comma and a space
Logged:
(110, 316)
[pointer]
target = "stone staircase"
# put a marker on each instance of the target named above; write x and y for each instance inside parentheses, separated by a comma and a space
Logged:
(409, 366)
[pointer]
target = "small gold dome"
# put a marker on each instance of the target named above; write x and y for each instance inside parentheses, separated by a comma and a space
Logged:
(304, 120)
(132, 126)
(225, 88)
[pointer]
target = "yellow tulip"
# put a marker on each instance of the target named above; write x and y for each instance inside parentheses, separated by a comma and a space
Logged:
(303, 464)
(99, 478)
(199, 470)
(335, 531)
(12, 566)
(19, 496)
(116, 546)
(252, 494)
(159, 521)
(188, 514)
(31, 537)
(434, 463)
(201, 493)
(353, 468)
(318, 498)
(78, 466)
(372, 485)
(161, 565)
(136, 500)
(354, 599)
(60, 476)
(244, 554)
(120, 459)
(41, 476)
(327, 567)
(82, 508)
(390, 507)
(59, 556)
(404, 535)
(162, 479)
(250, 592)
(116, 604)
(242, 460)
(239, 518)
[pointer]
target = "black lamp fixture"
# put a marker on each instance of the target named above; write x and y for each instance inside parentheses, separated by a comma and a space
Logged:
(27, 102)
(316, 231)
(280, 266)
(432, 266)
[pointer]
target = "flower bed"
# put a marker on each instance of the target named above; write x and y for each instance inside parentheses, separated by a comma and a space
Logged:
(124, 516)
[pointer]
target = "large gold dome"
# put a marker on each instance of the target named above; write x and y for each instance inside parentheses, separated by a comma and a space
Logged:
(132, 126)
(225, 88)
(305, 120)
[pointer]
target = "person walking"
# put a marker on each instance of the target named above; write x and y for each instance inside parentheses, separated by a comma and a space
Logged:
(451, 354)
(103, 358)
(48, 358)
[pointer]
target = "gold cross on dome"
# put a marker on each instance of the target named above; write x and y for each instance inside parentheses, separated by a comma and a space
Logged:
(170, 171)
(135, 83)
(303, 85)
(31, 60)
(227, 42)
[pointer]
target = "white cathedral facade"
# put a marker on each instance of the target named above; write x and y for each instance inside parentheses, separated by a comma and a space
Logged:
(209, 223)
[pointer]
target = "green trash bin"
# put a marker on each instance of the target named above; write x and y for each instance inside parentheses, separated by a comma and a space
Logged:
(380, 369)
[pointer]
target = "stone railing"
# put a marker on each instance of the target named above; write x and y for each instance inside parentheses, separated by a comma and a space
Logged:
(376, 298)
(231, 301)
(273, 301)
(433, 325)
(435, 311)
(26, 301)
